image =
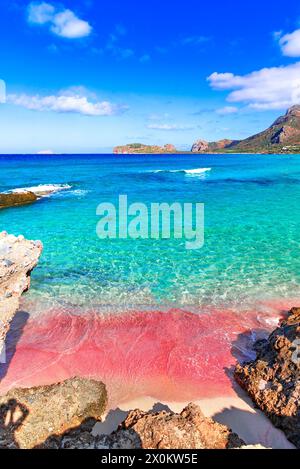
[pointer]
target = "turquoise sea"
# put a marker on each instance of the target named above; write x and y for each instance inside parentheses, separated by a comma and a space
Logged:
(252, 226)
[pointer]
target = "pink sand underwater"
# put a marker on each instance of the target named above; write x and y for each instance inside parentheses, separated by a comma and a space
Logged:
(174, 355)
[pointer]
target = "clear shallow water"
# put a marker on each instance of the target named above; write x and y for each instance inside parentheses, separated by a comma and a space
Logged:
(252, 226)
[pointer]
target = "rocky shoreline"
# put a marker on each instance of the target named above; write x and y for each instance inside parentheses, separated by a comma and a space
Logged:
(18, 257)
(273, 379)
(63, 415)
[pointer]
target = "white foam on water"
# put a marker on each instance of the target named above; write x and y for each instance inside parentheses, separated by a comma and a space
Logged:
(197, 170)
(42, 190)
(186, 171)
(78, 192)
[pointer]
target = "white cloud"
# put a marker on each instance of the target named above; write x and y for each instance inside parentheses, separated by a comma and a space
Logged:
(290, 44)
(227, 110)
(62, 22)
(66, 102)
(40, 13)
(168, 127)
(269, 88)
(66, 24)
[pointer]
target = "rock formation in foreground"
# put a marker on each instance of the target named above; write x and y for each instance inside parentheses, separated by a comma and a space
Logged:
(273, 379)
(144, 149)
(29, 416)
(283, 136)
(162, 430)
(17, 259)
(166, 430)
(17, 198)
(25, 196)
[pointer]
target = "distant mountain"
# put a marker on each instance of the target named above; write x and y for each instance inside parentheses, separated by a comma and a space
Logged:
(282, 137)
(144, 149)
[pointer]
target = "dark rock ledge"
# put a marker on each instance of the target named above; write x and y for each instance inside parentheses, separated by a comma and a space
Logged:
(17, 198)
(273, 379)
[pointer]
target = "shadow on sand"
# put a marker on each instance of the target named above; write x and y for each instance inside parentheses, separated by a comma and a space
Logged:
(12, 338)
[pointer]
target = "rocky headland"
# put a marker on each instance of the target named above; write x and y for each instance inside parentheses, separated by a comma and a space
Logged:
(283, 136)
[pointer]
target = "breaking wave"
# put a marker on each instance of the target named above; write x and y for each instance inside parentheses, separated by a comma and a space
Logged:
(43, 190)
(185, 171)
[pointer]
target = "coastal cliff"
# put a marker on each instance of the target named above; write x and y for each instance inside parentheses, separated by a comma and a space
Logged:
(283, 136)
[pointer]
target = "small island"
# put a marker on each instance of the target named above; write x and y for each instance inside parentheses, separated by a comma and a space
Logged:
(144, 149)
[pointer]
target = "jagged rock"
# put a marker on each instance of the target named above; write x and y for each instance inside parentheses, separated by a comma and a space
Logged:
(166, 430)
(17, 259)
(17, 198)
(273, 379)
(162, 430)
(283, 135)
(200, 146)
(292, 112)
(28, 417)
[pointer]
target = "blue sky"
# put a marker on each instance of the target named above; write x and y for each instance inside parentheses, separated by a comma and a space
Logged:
(83, 76)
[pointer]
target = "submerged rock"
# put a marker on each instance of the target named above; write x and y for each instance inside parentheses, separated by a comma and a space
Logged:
(17, 198)
(273, 379)
(28, 417)
(17, 259)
